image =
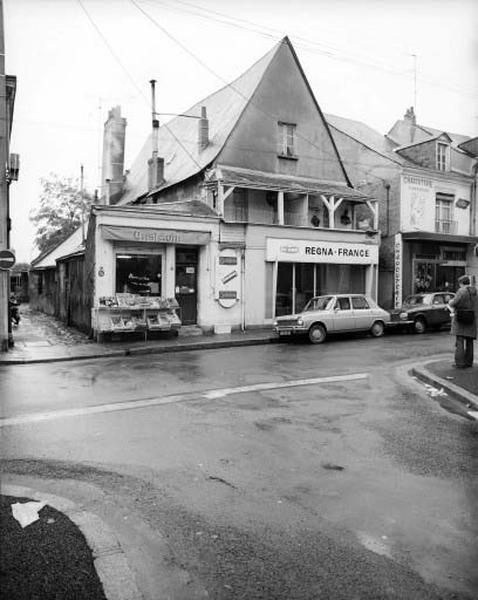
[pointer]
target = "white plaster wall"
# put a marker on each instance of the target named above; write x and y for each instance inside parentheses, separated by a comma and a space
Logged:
(418, 198)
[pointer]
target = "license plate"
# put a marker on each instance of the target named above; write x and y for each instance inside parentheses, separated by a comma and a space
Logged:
(284, 332)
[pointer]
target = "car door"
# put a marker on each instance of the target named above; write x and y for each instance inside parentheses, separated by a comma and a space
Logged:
(362, 312)
(344, 319)
(438, 312)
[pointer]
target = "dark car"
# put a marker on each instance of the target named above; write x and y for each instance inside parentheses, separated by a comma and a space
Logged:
(423, 311)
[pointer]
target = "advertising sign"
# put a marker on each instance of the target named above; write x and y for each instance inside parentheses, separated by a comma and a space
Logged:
(228, 280)
(397, 270)
(313, 251)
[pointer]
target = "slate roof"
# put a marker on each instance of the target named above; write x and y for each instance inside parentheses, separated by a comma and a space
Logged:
(223, 107)
(72, 244)
(189, 208)
(366, 135)
(404, 134)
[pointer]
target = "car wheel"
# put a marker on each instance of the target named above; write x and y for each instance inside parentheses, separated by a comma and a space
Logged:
(377, 329)
(420, 325)
(317, 334)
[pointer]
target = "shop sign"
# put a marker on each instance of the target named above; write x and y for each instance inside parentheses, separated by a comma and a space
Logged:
(228, 280)
(312, 251)
(397, 270)
(155, 236)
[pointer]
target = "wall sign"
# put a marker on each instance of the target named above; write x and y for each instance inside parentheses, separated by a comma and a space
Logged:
(155, 236)
(397, 270)
(313, 251)
(228, 280)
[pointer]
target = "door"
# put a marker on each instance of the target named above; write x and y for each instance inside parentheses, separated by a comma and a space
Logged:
(186, 284)
(344, 319)
(362, 313)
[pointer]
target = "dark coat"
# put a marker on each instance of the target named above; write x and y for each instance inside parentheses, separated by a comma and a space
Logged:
(466, 297)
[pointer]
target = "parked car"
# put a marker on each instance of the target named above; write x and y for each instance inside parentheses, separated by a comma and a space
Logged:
(334, 313)
(423, 311)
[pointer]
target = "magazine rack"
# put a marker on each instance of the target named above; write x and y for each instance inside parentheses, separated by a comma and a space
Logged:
(131, 313)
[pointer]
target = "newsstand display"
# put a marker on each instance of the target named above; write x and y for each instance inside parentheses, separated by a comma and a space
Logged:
(126, 313)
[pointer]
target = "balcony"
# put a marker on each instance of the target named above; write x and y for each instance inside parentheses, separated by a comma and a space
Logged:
(446, 226)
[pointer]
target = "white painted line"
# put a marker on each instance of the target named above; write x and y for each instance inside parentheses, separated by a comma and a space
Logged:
(213, 394)
(148, 402)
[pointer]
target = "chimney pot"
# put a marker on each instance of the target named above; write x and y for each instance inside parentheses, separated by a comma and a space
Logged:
(203, 133)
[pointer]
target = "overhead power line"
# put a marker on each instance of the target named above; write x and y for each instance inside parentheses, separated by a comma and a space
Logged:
(311, 46)
(130, 77)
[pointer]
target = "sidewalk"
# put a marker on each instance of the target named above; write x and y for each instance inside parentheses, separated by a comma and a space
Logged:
(461, 384)
(42, 338)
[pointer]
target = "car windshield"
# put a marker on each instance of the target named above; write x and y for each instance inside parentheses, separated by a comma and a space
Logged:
(416, 300)
(319, 303)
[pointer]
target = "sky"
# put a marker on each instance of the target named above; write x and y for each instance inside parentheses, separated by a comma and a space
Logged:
(75, 59)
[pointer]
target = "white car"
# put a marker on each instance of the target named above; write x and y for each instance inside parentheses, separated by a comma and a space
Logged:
(334, 313)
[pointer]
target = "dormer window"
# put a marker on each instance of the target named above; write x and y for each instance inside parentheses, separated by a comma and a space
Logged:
(286, 140)
(442, 156)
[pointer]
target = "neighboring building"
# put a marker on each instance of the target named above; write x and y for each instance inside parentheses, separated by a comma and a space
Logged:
(241, 209)
(426, 182)
(19, 281)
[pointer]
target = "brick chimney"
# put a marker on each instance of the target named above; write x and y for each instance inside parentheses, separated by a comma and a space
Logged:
(203, 132)
(113, 156)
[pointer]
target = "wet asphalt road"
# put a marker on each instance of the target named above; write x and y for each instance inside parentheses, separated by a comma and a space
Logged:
(358, 488)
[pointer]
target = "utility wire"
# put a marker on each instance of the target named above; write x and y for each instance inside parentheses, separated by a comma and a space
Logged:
(312, 46)
(130, 77)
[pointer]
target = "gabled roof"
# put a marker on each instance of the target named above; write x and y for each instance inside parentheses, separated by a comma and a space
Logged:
(72, 244)
(366, 135)
(404, 133)
(470, 146)
(427, 141)
(178, 139)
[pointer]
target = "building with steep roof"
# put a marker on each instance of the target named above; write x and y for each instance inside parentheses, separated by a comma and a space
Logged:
(426, 182)
(241, 208)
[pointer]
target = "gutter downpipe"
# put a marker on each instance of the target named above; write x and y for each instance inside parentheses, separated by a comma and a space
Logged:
(243, 291)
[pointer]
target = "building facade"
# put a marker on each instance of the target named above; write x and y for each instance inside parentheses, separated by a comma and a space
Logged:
(240, 210)
(426, 184)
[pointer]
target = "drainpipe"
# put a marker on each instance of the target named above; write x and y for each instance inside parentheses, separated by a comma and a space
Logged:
(387, 188)
(243, 291)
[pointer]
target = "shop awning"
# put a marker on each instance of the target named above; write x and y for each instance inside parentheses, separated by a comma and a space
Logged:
(284, 183)
(439, 237)
(155, 236)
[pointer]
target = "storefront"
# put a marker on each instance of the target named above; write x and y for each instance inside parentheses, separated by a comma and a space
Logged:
(150, 262)
(302, 269)
(427, 262)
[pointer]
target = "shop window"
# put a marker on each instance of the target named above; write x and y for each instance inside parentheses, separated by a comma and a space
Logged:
(138, 274)
(286, 141)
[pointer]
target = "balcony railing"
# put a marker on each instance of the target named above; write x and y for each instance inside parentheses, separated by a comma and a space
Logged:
(445, 226)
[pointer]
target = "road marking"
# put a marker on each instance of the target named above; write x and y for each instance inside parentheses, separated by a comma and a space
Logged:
(148, 402)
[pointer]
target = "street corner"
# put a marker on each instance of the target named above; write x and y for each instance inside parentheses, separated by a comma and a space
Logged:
(442, 380)
(53, 549)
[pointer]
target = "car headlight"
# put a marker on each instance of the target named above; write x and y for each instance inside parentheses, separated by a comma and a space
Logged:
(300, 322)
(275, 323)
(403, 315)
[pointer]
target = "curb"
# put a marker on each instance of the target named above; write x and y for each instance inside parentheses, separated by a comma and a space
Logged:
(467, 398)
(210, 345)
(109, 560)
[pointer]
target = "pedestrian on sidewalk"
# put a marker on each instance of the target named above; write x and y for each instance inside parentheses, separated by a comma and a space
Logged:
(464, 321)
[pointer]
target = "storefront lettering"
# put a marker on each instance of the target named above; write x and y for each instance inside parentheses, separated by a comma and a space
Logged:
(153, 236)
(345, 252)
(418, 181)
(397, 275)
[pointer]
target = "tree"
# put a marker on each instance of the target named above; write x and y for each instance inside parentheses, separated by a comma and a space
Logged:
(61, 209)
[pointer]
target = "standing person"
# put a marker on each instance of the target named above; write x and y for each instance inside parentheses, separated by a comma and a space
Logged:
(464, 322)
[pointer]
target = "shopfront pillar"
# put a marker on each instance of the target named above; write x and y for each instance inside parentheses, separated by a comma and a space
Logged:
(169, 271)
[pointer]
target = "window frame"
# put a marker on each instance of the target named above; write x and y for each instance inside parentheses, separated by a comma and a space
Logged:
(287, 140)
(442, 156)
